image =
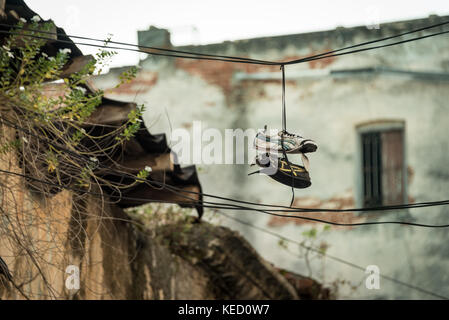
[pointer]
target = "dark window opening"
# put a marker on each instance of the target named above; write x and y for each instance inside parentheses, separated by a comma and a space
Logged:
(383, 168)
(372, 169)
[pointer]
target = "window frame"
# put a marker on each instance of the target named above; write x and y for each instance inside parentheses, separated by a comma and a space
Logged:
(380, 125)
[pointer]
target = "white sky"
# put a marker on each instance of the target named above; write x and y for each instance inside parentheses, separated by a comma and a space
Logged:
(206, 21)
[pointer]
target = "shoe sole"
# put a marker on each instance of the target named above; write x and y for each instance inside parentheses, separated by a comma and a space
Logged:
(300, 179)
(308, 148)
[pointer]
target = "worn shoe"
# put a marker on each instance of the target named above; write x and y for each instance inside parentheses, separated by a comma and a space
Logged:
(292, 143)
(283, 171)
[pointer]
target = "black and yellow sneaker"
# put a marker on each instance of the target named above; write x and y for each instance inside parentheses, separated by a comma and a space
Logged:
(283, 171)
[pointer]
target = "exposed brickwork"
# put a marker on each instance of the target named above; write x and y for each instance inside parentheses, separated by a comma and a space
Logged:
(321, 64)
(315, 64)
(217, 72)
(220, 73)
(345, 201)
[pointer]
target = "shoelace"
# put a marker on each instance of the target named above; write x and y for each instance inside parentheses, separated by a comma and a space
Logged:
(288, 134)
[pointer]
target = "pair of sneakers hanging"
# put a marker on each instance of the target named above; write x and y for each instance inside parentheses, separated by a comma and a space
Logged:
(273, 149)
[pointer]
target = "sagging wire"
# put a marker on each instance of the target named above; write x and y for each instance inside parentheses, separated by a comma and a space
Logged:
(252, 61)
(132, 45)
(281, 208)
(325, 254)
(224, 58)
(221, 206)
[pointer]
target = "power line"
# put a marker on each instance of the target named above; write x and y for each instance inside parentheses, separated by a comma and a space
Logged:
(220, 206)
(201, 56)
(270, 206)
(132, 45)
(281, 208)
(333, 53)
(252, 226)
(369, 48)
(225, 56)
(177, 191)
(376, 40)
(271, 233)
(348, 263)
(136, 50)
(245, 223)
(284, 208)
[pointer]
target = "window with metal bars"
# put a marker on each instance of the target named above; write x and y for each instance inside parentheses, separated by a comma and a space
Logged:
(383, 167)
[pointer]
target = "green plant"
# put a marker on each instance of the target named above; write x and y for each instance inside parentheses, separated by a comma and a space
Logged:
(26, 74)
(45, 136)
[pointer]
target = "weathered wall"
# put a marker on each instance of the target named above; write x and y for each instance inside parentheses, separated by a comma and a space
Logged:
(121, 257)
(121, 261)
(326, 107)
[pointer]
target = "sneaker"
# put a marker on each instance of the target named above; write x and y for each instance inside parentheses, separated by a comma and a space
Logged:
(292, 143)
(283, 171)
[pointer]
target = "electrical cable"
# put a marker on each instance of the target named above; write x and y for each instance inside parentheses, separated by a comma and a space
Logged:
(191, 55)
(328, 54)
(280, 207)
(318, 251)
(366, 49)
(376, 40)
(135, 50)
(226, 206)
(132, 45)
(282, 64)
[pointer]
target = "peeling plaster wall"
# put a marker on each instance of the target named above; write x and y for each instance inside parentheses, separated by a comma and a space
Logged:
(327, 109)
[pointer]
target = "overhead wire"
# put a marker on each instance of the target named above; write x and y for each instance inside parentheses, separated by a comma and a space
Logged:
(325, 254)
(329, 54)
(58, 34)
(135, 50)
(280, 208)
(223, 206)
(373, 41)
(247, 60)
(226, 58)
(366, 49)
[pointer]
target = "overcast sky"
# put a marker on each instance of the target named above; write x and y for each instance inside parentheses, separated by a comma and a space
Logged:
(206, 21)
